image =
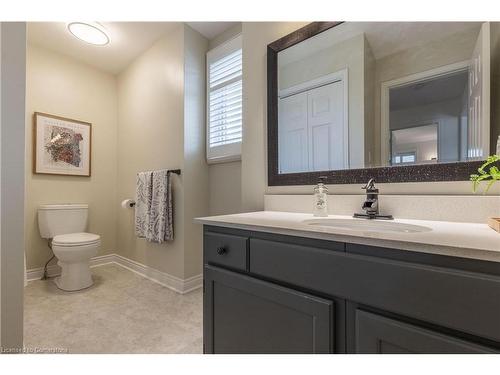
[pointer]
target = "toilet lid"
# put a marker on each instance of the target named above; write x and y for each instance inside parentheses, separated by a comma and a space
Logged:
(75, 239)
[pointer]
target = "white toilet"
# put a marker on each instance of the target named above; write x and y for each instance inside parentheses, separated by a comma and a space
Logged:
(65, 225)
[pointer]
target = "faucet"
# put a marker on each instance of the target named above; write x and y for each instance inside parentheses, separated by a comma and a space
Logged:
(370, 205)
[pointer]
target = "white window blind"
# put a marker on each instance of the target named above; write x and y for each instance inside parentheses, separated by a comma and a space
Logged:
(224, 101)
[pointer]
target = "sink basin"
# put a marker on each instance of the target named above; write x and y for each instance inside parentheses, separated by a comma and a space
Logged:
(368, 225)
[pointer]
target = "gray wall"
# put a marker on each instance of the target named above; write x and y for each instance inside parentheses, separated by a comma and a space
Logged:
(13, 90)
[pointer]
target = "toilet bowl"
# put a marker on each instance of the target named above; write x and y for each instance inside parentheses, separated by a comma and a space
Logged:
(63, 225)
(73, 252)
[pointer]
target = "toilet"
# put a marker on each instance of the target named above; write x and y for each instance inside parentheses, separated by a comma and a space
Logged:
(65, 225)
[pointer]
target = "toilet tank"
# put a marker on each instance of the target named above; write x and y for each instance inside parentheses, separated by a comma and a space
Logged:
(55, 219)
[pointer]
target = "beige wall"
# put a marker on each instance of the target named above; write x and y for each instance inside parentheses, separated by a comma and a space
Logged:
(196, 186)
(225, 188)
(225, 36)
(150, 94)
(256, 37)
(62, 86)
(161, 125)
(225, 178)
(347, 53)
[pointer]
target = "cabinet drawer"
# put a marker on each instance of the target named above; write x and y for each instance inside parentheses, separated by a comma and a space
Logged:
(376, 334)
(464, 301)
(304, 266)
(226, 250)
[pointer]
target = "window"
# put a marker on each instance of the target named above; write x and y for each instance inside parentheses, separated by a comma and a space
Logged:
(405, 158)
(224, 101)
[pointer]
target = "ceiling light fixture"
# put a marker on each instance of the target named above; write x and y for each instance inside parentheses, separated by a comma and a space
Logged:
(89, 33)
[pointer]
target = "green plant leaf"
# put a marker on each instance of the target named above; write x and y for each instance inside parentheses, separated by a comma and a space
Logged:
(491, 174)
(490, 183)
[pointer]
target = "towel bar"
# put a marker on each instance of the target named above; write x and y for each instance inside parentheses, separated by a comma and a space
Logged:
(176, 171)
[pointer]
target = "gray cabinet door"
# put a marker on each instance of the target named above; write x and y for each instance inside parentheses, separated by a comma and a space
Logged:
(246, 315)
(376, 334)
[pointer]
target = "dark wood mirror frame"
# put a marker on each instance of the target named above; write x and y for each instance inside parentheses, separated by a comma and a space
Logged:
(459, 171)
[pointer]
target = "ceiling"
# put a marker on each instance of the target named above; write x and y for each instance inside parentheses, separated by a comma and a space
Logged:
(448, 87)
(418, 134)
(384, 38)
(127, 40)
(211, 29)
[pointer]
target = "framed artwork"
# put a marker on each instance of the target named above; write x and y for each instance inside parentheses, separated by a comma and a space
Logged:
(62, 146)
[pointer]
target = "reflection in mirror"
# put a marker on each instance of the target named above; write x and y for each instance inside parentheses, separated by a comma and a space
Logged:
(415, 144)
(428, 118)
(373, 94)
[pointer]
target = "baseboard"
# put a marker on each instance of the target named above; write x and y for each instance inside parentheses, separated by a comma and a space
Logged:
(172, 282)
(169, 281)
(54, 270)
(37, 273)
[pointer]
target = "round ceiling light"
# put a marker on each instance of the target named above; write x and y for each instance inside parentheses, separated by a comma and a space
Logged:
(88, 33)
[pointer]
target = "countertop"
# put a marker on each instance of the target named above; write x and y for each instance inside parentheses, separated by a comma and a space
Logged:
(467, 240)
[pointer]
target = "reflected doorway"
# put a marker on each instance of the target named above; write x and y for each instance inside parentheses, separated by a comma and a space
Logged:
(429, 119)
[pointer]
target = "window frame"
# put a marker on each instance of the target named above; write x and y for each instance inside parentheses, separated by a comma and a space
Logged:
(232, 151)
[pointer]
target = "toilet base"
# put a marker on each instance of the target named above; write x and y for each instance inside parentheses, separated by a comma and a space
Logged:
(74, 276)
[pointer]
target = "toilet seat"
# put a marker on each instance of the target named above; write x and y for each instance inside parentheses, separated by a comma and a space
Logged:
(76, 239)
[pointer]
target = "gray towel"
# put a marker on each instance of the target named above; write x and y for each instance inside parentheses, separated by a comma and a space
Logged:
(161, 215)
(142, 203)
(154, 211)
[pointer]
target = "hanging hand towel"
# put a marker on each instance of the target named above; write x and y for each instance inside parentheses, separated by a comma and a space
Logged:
(143, 203)
(161, 212)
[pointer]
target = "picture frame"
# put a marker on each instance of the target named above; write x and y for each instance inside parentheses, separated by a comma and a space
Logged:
(61, 146)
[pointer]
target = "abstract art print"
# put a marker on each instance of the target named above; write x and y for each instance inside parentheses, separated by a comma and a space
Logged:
(61, 145)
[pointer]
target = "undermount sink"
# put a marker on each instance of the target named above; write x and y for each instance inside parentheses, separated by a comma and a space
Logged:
(368, 225)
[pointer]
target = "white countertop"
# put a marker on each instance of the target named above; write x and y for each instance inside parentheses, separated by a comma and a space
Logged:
(467, 240)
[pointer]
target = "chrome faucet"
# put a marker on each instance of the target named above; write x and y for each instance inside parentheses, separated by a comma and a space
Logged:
(370, 205)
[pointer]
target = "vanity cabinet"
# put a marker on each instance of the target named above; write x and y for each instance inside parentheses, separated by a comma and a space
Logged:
(271, 293)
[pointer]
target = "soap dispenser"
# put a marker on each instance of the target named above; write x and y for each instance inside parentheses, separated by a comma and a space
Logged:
(320, 207)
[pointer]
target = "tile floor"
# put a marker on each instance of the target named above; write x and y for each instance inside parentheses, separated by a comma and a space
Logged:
(122, 312)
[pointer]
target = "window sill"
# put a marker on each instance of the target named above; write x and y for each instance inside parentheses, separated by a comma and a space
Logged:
(224, 159)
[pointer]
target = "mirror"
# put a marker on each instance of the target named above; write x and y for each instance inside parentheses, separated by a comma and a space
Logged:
(361, 95)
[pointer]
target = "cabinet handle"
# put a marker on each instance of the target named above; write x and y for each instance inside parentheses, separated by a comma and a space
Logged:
(221, 250)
